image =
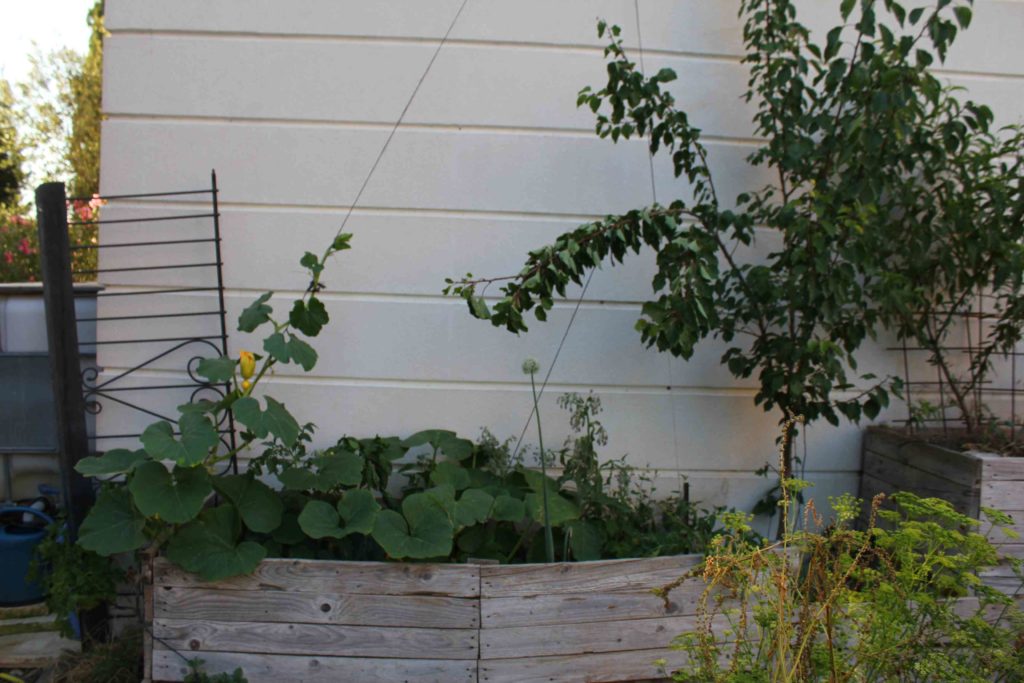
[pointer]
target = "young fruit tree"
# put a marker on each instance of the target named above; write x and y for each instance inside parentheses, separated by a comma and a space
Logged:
(868, 152)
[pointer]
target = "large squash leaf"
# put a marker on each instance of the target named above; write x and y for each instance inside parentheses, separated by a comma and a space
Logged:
(176, 497)
(208, 546)
(116, 461)
(198, 436)
(113, 525)
(423, 530)
(258, 504)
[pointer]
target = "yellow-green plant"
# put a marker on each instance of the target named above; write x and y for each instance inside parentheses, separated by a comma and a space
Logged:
(900, 601)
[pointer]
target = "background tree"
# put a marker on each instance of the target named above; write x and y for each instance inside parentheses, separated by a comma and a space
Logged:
(12, 175)
(83, 146)
(59, 113)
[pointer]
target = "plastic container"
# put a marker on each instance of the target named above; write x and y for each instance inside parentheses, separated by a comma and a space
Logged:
(18, 541)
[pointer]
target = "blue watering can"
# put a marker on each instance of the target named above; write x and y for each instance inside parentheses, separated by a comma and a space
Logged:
(18, 542)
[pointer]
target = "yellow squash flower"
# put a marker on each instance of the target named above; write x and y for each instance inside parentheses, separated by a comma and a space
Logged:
(246, 363)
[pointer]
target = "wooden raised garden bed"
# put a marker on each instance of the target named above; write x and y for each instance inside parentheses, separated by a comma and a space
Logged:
(970, 480)
(313, 620)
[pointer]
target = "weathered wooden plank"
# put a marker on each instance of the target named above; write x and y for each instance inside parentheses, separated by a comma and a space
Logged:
(262, 668)
(316, 639)
(575, 608)
(998, 468)
(634, 665)
(331, 576)
(594, 577)
(574, 639)
(424, 611)
(913, 451)
(901, 476)
(1003, 495)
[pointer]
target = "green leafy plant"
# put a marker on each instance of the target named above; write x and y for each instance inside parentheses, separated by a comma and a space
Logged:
(164, 506)
(74, 579)
(898, 603)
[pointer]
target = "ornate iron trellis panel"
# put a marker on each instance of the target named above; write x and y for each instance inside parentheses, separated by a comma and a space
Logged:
(216, 341)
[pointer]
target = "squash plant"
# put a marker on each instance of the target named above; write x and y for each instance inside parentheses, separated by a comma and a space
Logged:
(458, 500)
(162, 499)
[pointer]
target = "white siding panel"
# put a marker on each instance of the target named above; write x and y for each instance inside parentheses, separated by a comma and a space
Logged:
(709, 27)
(470, 85)
(442, 170)
(291, 102)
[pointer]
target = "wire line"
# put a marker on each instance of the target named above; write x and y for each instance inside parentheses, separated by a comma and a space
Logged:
(401, 117)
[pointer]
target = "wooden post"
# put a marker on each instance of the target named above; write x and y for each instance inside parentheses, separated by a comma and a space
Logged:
(62, 335)
(66, 372)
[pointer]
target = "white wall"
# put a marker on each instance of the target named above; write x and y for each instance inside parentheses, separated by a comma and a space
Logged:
(291, 102)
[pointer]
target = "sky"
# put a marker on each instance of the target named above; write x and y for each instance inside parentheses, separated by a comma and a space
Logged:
(51, 24)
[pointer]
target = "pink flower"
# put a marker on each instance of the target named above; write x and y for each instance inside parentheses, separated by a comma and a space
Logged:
(24, 247)
(96, 202)
(9, 257)
(20, 220)
(84, 212)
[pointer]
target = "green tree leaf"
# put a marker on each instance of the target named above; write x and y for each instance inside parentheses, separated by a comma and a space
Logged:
(259, 506)
(113, 525)
(309, 317)
(116, 461)
(217, 370)
(208, 546)
(198, 436)
(176, 497)
(256, 314)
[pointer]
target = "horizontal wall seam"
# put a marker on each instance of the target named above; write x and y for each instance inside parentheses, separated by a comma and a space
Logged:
(374, 297)
(459, 385)
(386, 126)
(713, 57)
(482, 214)
(417, 40)
(477, 385)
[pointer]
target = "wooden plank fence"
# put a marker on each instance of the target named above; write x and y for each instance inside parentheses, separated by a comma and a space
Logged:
(310, 620)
